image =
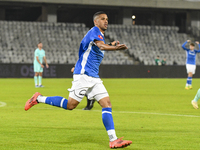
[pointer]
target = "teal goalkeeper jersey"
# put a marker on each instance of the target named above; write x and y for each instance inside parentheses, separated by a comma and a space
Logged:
(40, 54)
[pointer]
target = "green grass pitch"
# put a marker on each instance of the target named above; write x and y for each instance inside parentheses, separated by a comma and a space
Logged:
(156, 114)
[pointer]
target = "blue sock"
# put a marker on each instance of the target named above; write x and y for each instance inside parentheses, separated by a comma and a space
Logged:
(108, 123)
(107, 118)
(57, 101)
(190, 80)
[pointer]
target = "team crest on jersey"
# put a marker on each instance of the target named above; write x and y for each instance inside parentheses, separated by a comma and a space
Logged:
(100, 37)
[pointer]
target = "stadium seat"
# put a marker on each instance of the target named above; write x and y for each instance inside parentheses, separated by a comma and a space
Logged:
(61, 42)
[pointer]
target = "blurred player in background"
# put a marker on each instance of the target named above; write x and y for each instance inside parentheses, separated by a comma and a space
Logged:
(164, 62)
(90, 103)
(39, 55)
(195, 100)
(157, 61)
(86, 79)
(190, 61)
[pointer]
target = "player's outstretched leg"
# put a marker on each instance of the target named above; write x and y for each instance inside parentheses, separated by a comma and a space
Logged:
(109, 125)
(54, 101)
(32, 101)
(196, 98)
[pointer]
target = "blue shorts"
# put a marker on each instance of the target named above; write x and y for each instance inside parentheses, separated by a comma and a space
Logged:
(37, 67)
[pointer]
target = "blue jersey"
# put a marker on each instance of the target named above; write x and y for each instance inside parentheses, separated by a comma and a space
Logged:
(190, 55)
(90, 56)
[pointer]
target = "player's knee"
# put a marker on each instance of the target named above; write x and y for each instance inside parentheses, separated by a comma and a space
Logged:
(72, 103)
(109, 104)
(105, 102)
(71, 107)
(190, 74)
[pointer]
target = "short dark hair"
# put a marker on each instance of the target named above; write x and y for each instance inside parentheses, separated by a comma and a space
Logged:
(98, 13)
(192, 44)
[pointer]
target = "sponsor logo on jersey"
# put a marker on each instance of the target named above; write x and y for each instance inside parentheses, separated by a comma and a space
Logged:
(191, 53)
(100, 37)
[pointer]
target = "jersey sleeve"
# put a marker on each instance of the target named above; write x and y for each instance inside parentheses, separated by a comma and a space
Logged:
(198, 51)
(96, 36)
(36, 53)
(183, 46)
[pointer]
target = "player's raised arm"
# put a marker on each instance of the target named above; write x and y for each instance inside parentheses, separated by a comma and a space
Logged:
(183, 46)
(107, 47)
(101, 21)
(197, 42)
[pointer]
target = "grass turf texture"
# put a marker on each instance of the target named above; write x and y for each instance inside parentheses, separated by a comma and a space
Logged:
(156, 114)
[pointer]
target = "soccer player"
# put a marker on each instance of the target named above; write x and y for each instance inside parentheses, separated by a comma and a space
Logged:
(190, 61)
(86, 79)
(39, 55)
(164, 62)
(90, 103)
(157, 61)
(195, 100)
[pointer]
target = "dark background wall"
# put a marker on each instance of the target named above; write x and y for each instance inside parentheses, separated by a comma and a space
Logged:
(106, 71)
(180, 13)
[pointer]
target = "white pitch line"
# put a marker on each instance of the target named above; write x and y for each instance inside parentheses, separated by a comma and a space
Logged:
(2, 104)
(161, 114)
(123, 112)
(149, 113)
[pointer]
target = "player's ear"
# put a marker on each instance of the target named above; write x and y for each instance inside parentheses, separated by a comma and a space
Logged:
(95, 22)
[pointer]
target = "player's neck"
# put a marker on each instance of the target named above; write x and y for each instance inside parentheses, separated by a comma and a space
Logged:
(39, 48)
(101, 30)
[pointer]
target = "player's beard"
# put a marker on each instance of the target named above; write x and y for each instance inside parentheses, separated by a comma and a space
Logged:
(104, 29)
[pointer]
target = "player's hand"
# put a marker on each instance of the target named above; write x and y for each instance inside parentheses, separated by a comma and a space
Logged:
(121, 47)
(114, 43)
(42, 65)
(72, 70)
(47, 65)
(188, 41)
(197, 42)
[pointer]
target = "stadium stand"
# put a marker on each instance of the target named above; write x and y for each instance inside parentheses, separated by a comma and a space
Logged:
(61, 42)
(146, 42)
(19, 40)
(195, 31)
